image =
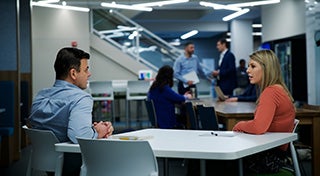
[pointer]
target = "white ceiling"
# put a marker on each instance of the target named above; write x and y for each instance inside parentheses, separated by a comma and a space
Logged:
(177, 19)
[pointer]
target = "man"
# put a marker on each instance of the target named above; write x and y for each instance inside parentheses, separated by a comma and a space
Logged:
(242, 78)
(226, 72)
(65, 108)
(185, 64)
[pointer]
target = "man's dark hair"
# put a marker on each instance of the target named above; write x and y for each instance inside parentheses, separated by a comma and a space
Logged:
(242, 61)
(223, 41)
(188, 43)
(164, 77)
(68, 58)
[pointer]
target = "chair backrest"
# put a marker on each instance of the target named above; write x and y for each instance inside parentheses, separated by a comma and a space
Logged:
(151, 112)
(101, 90)
(43, 156)
(204, 89)
(193, 120)
(7, 102)
(137, 90)
(118, 157)
(208, 118)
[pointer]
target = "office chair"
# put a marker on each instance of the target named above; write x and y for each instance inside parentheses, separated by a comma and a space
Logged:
(43, 155)
(193, 120)
(102, 91)
(151, 112)
(117, 158)
(294, 153)
(208, 118)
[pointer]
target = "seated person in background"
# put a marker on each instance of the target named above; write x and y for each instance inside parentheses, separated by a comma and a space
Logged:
(164, 98)
(242, 78)
(65, 108)
(275, 111)
(250, 94)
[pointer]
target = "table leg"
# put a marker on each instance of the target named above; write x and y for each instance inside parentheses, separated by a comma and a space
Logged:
(316, 145)
(240, 167)
(166, 167)
(202, 167)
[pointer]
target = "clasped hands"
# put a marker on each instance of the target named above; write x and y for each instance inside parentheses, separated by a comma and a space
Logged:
(104, 129)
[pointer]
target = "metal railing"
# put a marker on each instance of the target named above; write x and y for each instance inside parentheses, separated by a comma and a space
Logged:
(133, 39)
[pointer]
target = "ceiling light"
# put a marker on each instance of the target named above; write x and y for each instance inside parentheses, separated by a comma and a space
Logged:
(257, 33)
(48, 1)
(82, 9)
(255, 3)
(128, 7)
(257, 25)
(236, 14)
(161, 3)
(219, 6)
(189, 34)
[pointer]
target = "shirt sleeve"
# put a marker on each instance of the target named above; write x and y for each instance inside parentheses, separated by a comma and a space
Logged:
(80, 122)
(177, 71)
(263, 116)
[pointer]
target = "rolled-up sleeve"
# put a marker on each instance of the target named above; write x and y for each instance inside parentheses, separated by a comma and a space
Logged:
(80, 120)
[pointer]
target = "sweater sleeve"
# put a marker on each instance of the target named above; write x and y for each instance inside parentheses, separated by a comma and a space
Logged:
(263, 116)
(173, 96)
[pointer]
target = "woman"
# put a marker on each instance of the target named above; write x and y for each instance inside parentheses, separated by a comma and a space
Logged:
(164, 98)
(275, 111)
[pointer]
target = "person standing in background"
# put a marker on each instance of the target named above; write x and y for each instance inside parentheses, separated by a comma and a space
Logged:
(226, 72)
(187, 63)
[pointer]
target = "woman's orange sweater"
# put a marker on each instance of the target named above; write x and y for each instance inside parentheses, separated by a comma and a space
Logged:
(274, 113)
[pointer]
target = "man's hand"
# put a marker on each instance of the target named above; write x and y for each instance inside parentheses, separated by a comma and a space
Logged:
(215, 73)
(104, 129)
(190, 83)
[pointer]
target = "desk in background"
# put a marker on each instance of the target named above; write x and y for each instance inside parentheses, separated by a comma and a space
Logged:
(201, 144)
(230, 113)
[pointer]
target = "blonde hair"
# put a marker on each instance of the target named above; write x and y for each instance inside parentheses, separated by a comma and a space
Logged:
(271, 70)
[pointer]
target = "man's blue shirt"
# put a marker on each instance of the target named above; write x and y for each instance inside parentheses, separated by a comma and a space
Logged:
(64, 109)
(185, 65)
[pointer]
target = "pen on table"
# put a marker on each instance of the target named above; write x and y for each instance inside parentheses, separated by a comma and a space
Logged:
(213, 133)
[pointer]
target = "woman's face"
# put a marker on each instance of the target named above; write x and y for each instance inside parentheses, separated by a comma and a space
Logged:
(254, 72)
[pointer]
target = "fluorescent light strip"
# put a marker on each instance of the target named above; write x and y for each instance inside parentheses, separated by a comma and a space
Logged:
(257, 25)
(257, 33)
(128, 7)
(82, 9)
(219, 6)
(48, 1)
(255, 3)
(189, 34)
(236, 14)
(160, 3)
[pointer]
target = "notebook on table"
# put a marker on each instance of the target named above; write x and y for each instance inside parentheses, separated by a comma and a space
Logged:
(220, 94)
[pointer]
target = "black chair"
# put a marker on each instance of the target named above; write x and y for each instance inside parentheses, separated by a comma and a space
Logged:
(192, 116)
(151, 112)
(208, 118)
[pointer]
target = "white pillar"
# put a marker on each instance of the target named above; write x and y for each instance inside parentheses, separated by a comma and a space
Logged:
(241, 39)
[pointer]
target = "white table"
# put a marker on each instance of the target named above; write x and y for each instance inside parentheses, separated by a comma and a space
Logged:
(201, 144)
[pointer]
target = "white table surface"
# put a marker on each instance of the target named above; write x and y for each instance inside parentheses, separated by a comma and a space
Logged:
(200, 144)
